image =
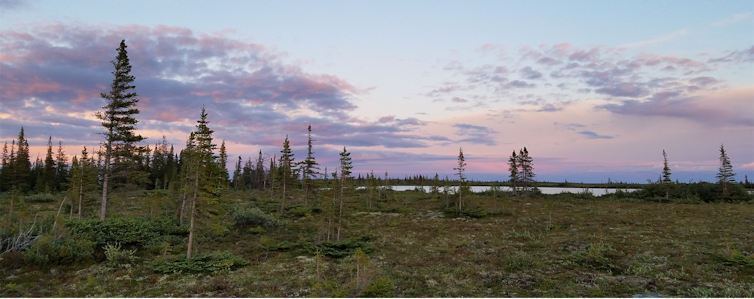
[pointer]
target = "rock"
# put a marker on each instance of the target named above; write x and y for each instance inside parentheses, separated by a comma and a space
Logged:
(574, 230)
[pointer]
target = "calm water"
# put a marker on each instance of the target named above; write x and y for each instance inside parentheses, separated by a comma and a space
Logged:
(545, 190)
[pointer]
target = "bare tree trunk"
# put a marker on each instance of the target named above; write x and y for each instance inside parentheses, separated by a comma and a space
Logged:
(182, 210)
(193, 212)
(81, 191)
(340, 213)
(282, 200)
(105, 180)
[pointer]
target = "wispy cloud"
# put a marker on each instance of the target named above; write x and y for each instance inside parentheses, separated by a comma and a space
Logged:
(658, 40)
(592, 135)
(737, 18)
(50, 85)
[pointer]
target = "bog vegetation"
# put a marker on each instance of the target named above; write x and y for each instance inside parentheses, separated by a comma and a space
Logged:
(143, 221)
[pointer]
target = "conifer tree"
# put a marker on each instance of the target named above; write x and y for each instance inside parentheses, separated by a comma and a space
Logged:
(83, 178)
(513, 168)
(237, 177)
(261, 178)
(725, 174)
(526, 173)
(310, 170)
(666, 174)
(120, 125)
(45, 184)
(345, 184)
(61, 168)
(5, 170)
(223, 176)
(205, 169)
(287, 173)
(21, 176)
(461, 177)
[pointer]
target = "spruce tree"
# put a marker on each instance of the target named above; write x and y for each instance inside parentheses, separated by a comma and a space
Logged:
(513, 168)
(204, 168)
(287, 172)
(5, 170)
(223, 175)
(461, 177)
(725, 174)
(261, 178)
(666, 174)
(310, 170)
(526, 173)
(346, 184)
(120, 125)
(21, 176)
(45, 184)
(237, 178)
(61, 168)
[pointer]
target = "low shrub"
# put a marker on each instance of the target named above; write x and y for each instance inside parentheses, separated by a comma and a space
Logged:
(379, 288)
(119, 258)
(200, 263)
(254, 216)
(340, 249)
(48, 251)
(126, 231)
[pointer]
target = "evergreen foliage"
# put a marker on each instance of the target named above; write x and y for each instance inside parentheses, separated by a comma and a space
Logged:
(461, 178)
(725, 175)
(120, 125)
(310, 169)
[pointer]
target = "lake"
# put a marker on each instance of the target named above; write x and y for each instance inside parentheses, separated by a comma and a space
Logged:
(545, 190)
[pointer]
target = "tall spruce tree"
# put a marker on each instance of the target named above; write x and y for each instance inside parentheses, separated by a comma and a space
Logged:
(237, 178)
(526, 173)
(346, 184)
(61, 168)
(287, 172)
(223, 175)
(725, 174)
(461, 177)
(310, 170)
(513, 168)
(21, 176)
(205, 168)
(47, 179)
(5, 170)
(666, 175)
(120, 125)
(83, 179)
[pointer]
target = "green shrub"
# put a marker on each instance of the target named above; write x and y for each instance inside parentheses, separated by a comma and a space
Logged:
(379, 288)
(48, 251)
(300, 212)
(39, 198)
(114, 230)
(200, 263)
(127, 231)
(340, 249)
(254, 216)
(119, 258)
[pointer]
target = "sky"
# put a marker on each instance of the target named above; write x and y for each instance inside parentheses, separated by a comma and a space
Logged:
(595, 90)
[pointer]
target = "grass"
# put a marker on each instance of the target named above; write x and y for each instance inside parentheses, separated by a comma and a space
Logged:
(557, 246)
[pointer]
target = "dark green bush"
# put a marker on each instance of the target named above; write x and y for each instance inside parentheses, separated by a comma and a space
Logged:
(340, 249)
(48, 251)
(379, 288)
(200, 263)
(253, 217)
(127, 231)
